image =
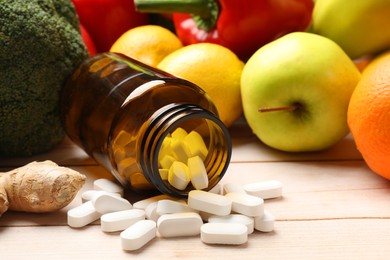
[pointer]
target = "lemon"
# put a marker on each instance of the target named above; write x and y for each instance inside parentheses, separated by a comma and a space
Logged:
(148, 44)
(214, 68)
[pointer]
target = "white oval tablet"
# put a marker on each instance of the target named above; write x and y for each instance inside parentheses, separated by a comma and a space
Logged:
(138, 234)
(142, 204)
(179, 224)
(107, 185)
(82, 215)
(266, 222)
(106, 202)
(265, 189)
(234, 218)
(224, 233)
(232, 187)
(246, 204)
(120, 220)
(171, 206)
(209, 202)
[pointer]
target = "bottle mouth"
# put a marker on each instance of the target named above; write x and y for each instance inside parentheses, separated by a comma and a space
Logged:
(190, 131)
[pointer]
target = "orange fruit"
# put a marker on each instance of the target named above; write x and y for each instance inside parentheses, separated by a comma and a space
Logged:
(148, 43)
(369, 115)
(214, 68)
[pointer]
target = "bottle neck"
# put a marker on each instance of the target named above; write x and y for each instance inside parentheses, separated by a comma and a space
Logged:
(191, 118)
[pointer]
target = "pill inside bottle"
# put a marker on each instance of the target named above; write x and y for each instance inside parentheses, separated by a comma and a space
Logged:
(151, 130)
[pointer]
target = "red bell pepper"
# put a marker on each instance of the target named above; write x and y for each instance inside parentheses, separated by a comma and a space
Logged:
(107, 20)
(240, 25)
(87, 41)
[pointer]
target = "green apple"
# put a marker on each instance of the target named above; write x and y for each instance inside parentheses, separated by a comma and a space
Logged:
(359, 27)
(295, 92)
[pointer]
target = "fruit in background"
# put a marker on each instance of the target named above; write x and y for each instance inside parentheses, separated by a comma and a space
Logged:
(369, 115)
(359, 28)
(106, 20)
(241, 26)
(148, 44)
(88, 41)
(295, 92)
(214, 68)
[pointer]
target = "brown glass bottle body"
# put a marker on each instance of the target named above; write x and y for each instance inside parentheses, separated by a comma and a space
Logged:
(120, 111)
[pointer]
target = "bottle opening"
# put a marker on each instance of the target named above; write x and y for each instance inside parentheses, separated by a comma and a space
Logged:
(188, 148)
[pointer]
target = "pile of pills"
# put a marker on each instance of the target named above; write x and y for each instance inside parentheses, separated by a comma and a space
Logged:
(180, 160)
(225, 215)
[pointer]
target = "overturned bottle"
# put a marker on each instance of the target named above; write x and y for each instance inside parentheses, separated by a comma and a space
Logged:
(151, 130)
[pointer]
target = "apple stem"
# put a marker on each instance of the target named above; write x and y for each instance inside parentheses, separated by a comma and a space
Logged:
(273, 109)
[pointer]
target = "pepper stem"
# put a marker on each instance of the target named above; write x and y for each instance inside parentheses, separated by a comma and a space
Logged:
(204, 12)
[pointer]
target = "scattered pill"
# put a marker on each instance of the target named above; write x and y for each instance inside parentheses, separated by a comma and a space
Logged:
(179, 224)
(107, 185)
(234, 218)
(82, 215)
(179, 176)
(224, 233)
(151, 211)
(105, 203)
(246, 204)
(120, 220)
(265, 223)
(198, 173)
(209, 202)
(142, 204)
(171, 206)
(265, 189)
(233, 187)
(89, 194)
(138, 235)
(217, 189)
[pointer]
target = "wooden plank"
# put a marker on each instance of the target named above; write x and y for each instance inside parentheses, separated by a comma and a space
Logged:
(323, 239)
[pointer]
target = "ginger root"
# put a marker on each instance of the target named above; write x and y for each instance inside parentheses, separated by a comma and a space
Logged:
(39, 187)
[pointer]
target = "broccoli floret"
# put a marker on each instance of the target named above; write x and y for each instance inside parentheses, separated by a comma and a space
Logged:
(40, 46)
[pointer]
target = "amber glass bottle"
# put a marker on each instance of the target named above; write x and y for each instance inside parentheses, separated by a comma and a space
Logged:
(122, 112)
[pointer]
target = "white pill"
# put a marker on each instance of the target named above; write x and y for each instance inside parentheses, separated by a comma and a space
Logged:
(89, 194)
(105, 203)
(209, 202)
(171, 206)
(265, 189)
(198, 173)
(266, 222)
(235, 218)
(82, 215)
(179, 175)
(142, 204)
(138, 234)
(107, 185)
(120, 220)
(151, 211)
(232, 187)
(179, 224)
(217, 189)
(224, 233)
(246, 204)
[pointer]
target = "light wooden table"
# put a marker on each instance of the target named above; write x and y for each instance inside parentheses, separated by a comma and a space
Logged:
(333, 207)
